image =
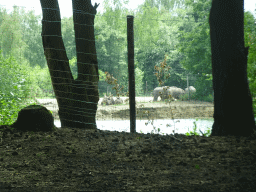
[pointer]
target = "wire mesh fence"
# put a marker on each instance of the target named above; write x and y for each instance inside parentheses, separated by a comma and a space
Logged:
(151, 45)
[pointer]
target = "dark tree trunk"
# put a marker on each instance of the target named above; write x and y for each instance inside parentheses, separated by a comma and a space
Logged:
(77, 98)
(233, 113)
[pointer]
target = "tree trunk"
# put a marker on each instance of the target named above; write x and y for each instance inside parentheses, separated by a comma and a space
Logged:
(233, 113)
(77, 98)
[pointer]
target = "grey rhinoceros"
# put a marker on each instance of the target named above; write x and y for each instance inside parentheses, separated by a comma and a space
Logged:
(165, 91)
(111, 101)
(118, 100)
(190, 90)
(108, 101)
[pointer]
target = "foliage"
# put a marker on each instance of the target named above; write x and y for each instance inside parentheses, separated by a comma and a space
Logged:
(14, 88)
(68, 36)
(162, 71)
(102, 75)
(73, 67)
(11, 29)
(207, 133)
(139, 74)
(250, 40)
(113, 81)
(182, 34)
(43, 81)
(110, 35)
(184, 97)
(165, 38)
(195, 45)
(119, 89)
(31, 27)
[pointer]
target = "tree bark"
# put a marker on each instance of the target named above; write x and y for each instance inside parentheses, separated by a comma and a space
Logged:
(233, 113)
(77, 98)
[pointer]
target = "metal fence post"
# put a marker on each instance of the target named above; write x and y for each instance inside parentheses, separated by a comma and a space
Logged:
(130, 42)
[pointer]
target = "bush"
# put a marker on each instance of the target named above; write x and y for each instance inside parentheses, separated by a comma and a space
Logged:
(186, 97)
(14, 88)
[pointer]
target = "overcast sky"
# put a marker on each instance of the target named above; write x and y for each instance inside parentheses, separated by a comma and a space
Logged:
(66, 5)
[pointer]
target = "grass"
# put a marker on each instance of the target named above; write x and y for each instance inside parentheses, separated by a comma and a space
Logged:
(207, 133)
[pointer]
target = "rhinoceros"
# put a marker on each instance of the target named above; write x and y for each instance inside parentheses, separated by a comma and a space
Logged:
(165, 91)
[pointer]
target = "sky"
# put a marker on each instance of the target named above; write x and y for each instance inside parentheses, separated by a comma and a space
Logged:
(66, 5)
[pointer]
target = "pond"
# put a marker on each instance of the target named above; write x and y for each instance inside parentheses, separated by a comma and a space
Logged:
(180, 126)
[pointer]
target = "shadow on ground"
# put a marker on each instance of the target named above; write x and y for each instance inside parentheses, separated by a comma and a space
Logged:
(96, 160)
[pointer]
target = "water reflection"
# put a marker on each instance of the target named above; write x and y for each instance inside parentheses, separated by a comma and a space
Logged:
(167, 126)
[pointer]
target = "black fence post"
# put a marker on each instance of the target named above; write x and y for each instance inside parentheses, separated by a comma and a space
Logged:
(130, 42)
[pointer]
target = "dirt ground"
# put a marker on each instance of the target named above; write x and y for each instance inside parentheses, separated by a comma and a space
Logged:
(96, 160)
(158, 110)
(145, 109)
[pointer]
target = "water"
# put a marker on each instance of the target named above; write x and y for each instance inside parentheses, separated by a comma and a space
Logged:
(180, 126)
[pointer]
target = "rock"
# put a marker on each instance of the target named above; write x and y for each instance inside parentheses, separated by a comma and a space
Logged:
(34, 118)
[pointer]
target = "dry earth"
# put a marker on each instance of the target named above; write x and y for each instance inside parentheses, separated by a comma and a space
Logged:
(145, 109)
(95, 160)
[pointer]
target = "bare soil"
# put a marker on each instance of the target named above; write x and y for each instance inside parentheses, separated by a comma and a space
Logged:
(158, 110)
(145, 109)
(96, 160)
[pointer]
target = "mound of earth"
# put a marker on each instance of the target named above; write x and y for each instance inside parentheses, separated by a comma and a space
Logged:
(34, 118)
